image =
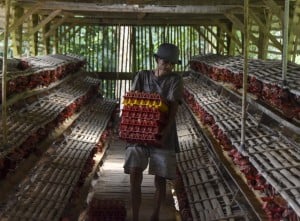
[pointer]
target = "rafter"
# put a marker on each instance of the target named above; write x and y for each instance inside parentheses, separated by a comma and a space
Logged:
(44, 22)
(230, 34)
(23, 18)
(237, 22)
(119, 8)
(275, 9)
(215, 35)
(32, 10)
(127, 21)
(199, 30)
(265, 30)
(55, 26)
(295, 30)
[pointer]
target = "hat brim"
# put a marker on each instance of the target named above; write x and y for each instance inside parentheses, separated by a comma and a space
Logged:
(156, 56)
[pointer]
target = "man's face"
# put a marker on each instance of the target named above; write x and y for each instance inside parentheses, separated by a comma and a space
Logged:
(164, 66)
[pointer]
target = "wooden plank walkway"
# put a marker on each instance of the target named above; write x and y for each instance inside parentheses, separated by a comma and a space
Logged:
(114, 184)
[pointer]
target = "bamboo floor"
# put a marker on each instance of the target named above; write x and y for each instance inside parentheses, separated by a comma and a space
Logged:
(112, 183)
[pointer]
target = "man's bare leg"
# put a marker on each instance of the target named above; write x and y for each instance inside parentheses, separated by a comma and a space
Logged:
(160, 194)
(136, 178)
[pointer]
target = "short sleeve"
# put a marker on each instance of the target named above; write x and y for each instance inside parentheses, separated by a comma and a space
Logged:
(136, 83)
(176, 93)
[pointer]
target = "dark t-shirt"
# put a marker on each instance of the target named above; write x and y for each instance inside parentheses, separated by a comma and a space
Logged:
(170, 87)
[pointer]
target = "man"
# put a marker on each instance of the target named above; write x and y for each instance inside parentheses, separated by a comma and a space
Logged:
(162, 160)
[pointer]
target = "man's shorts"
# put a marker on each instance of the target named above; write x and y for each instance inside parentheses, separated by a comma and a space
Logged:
(161, 162)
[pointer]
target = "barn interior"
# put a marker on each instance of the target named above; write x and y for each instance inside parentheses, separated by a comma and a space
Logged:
(67, 69)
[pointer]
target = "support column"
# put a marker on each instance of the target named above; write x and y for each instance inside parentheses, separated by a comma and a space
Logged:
(16, 35)
(4, 70)
(245, 73)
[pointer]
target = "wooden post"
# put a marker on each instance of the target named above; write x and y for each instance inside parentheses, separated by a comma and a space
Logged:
(55, 43)
(233, 44)
(17, 33)
(245, 73)
(34, 37)
(4, 70)
(263, 40)
(285, 40)
(46, 41)
(133, 46)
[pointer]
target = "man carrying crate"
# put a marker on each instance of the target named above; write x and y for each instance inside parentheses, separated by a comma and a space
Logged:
(160, 158)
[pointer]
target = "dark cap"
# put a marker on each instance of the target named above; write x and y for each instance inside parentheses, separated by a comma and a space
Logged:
(168, 52)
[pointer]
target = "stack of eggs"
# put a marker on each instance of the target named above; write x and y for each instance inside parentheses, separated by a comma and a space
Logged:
(143, 117)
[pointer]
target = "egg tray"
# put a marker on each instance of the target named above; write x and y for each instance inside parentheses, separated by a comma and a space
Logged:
(143, 118)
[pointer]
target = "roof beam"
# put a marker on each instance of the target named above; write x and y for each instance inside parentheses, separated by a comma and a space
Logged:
(94, 7)
(44, 22)
(178, 21)
(200, 31)
(30, 11)
(230, 34)
(54, 27)
(209, 29)
(275, 9)
(240, 25)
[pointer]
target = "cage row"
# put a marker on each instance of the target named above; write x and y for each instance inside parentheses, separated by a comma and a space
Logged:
(264, 171)
(53, 182)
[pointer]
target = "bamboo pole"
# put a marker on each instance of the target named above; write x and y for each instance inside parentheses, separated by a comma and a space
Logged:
(285, 40)
(134, 61)
(245, 73)
(151, 47)
(4, 70)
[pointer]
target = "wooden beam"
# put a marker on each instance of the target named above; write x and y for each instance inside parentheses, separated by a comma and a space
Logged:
(30, 11)
(266, 30)
(21, 20)
(237, 22)
(121, 15)
(2, 19)
(16, 34)
(205, 38)
(46, 42)
(216, 36)
(44, 22)
(263, 37)
(275, 9)
(294, 32)
(55, 26)
(119, 8)
(231, 35)
(113, 75)
(34, 38)
(232, 46)
(125, 21)
(55, 43)
(4, 76)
